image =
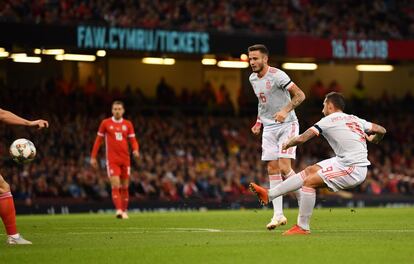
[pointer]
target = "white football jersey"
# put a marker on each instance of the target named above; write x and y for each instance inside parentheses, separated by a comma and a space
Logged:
(346, 136)
(272, 90)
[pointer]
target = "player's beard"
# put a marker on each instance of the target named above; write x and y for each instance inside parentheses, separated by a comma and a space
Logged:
(117, 116)
(258, 68)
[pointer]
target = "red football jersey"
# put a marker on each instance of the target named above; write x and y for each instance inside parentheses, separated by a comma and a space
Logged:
(116, 134)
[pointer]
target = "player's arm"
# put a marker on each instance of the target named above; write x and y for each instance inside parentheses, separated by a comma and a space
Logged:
(98, 142)
(377, 133)
(134, 142)
(12, 119)
(297, 95)
(257, 126)
(298, 140)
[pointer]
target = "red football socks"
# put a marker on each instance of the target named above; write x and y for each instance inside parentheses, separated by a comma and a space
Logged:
(125, 198)
(8, 213)
(116, 199)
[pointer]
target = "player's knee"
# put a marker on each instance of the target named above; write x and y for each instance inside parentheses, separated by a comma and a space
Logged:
(285, 169)
(115, 183)
(307, 182)
(272, 168)
(4, 187)
(311, 170)
(124, 185)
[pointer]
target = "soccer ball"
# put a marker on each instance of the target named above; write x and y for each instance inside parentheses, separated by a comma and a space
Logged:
(22, 150)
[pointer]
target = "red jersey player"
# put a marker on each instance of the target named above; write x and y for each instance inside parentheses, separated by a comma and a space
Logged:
(7, 210)
(117, 131)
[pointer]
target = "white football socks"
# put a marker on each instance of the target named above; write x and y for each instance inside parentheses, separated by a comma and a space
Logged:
(274, 181)
(307, 203)
(290, 184)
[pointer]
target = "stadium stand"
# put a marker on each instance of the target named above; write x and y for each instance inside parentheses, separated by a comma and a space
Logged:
(393, 19)
(209, 154)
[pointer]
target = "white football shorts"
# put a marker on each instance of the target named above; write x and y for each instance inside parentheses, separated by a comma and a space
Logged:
(273, 138)
(339, 177)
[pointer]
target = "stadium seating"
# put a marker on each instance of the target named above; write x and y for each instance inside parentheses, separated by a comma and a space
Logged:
(208, 154)
(394, 19)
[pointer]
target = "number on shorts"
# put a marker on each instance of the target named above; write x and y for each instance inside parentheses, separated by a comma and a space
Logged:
(262, 97)
(118, 136)
(327, 169)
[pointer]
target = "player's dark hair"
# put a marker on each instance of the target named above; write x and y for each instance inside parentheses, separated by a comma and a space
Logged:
(260, 47)
(118, 102)
(336, 99)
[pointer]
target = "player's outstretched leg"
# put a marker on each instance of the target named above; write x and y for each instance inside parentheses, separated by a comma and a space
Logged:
(297, 192)
(292, 183)
(8, 215)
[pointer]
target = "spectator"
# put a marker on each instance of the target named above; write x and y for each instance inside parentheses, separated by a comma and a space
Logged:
(318, 91)
(321, 18)
(182, 157)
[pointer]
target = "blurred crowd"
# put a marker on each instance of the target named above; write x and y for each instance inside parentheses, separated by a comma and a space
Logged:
(201, 155)
(341, 18)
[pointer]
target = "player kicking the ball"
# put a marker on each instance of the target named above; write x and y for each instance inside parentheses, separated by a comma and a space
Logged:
(347, 135)
(116, 131)
(278, 97)
(7, 210)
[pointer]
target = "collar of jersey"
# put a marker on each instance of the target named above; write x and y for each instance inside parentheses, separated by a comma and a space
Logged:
(261, 78)
(117, 121)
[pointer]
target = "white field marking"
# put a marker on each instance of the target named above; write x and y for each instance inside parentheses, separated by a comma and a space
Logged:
(189, 229)
(139, 230)
(365, 230)
(194, 229)
(202, 229)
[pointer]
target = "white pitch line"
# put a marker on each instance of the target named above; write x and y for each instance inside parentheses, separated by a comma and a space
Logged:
(195, 229)
(139, 230)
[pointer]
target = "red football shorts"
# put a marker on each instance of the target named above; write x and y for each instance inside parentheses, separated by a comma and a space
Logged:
(118, 170)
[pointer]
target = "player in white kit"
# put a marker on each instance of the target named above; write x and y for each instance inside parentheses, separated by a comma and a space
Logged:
(278, 97)
(347, 135)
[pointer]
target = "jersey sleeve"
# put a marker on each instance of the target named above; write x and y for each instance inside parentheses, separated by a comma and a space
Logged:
(131, 130)
(283, 81)
(366, 126)
(102, 129)
(132, 138)
(320, 126)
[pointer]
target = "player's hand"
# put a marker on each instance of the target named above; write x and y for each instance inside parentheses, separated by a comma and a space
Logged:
(280, 116)
(256, 128)
(94, 163)
(285, 146)
(39, 123)
(288, 143)
(373, 138)
(135, 154)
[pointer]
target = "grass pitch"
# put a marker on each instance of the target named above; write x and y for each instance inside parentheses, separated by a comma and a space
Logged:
(338, 236)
